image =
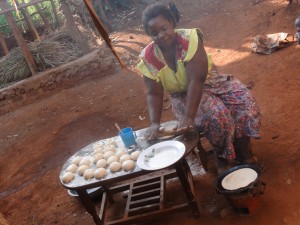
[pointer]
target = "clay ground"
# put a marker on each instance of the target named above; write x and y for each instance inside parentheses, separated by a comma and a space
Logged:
(37, 139)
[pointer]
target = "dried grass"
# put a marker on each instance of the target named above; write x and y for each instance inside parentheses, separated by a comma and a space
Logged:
(55, 49)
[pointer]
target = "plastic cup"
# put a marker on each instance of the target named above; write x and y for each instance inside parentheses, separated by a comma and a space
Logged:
(128, 136)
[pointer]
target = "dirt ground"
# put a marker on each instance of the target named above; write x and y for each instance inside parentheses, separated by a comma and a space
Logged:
(37, 139)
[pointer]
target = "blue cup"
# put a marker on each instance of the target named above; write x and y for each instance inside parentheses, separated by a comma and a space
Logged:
(128, 136)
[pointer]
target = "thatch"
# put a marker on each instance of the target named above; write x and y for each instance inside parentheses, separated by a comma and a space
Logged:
(54, 50)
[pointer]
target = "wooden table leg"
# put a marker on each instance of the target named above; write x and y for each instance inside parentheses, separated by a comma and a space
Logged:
(89, 206)
(187, 186)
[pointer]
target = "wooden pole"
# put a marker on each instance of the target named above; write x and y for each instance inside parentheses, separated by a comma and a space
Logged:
(3, 43)
(55, 13)
(20, 40)
(3, 11)
(105, 20)
(44, 17)
(29, 22)
(73, 29)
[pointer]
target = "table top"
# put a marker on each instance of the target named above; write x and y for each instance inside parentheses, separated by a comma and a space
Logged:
(190, 141)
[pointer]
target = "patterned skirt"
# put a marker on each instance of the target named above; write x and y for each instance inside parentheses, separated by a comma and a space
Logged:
(227, 110)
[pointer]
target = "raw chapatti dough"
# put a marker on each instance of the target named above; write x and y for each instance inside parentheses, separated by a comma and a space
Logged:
(98, 151)
(135, 155)
(108, 154)
(124, 158)
(81, 169)
(101, 163)
(100, 173)
(110, 148)
(112, 142)
(72, 168)
(77, 160)
(115, 166)
(239, 179)
(88, 174)
(128, 165)
(98, 157)
(120, 152)
(85, 161)
(112, 158)
(98, 145)
(68, 177)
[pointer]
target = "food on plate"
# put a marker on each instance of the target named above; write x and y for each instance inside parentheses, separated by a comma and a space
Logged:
(108, 154)
(124, 158)
(115, 166)
(101, 163)
(135, 155)
(88, 174)
(81, 169)
(100, 173)
(85, 161)
(72, 168)
(111, 159)
(128, 165)
(98, 157)
(77, 160)
(68, 177)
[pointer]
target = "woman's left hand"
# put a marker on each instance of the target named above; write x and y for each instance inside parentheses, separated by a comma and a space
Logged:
(186, 124)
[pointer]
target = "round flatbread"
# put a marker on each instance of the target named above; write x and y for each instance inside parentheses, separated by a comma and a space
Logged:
(239, 179)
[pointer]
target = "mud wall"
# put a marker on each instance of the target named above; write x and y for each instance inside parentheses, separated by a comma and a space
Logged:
(98, 62)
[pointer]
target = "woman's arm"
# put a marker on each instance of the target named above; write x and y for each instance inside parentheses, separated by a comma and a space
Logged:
(155, 94)
(196, 71)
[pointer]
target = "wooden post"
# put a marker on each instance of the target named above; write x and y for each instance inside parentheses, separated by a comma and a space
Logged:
(44, 17)
(55, 13)
(29, 22)
(73, 29)
(20, 40)
(3, 43)
(102, 12)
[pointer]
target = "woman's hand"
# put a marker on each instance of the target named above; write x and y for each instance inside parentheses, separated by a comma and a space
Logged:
(186, 124)
(151, 132)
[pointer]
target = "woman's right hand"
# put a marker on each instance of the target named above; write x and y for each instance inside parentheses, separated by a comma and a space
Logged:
(151, 132)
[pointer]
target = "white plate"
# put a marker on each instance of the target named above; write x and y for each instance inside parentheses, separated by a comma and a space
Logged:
(161, 155)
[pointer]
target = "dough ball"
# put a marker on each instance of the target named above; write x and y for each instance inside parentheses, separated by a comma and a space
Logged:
(120, 152)
(68, 177)
(135, 155)
(85, 161)
(111, 159)
(128, 165)
(112, 142)
(108, 154)
(72, 168)
(77, 160)
(110, 148)
(124, 158)
(100, 173)
(115, 166)
(98, 157)
(101, 163)
(88, 174)
(97, 152)
(81, 169)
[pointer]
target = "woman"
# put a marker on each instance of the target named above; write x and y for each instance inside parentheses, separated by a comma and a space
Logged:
(216, 104)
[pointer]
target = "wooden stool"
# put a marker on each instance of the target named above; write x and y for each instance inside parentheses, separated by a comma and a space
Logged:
(203, 153)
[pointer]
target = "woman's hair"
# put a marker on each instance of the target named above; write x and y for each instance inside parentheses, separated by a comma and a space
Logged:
(155, 10)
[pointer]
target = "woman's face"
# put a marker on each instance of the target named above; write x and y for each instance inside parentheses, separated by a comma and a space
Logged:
(161, 31)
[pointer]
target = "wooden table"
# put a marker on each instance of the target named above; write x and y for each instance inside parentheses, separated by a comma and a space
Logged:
(145, 198)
